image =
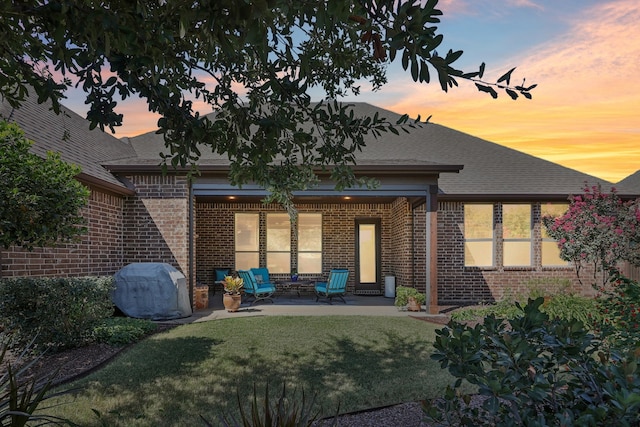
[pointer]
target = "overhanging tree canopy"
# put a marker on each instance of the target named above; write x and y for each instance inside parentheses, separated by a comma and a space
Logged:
(254, 62)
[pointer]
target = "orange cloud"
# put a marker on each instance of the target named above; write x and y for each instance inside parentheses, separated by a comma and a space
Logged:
(584, 113)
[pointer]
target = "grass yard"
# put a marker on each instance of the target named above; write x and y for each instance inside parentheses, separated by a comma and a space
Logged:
(172, 378)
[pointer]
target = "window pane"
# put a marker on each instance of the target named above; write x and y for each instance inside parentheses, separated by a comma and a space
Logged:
(551, 254)
(310, 232)
(554, 210)
(517, 253)
(278, 232)
(310, 262)
(516, 221)
(247, 260)
(478, 254)
(279, 262)
(247, 232)
(478, 221)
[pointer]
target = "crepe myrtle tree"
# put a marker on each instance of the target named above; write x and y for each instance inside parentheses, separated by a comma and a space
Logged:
(40, 200)
(254, 62)
(598, 229)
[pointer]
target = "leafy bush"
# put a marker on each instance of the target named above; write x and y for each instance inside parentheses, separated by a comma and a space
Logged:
(59, 312)
(533, 371)
(119, 331)
(403, 293)
(569, 307)
(503, 309)
(619, 307)
(558, 306)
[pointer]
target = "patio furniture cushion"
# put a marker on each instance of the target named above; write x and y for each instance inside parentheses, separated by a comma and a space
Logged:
(259, 291)
(221, 273)
(335, 286)
(262, 275)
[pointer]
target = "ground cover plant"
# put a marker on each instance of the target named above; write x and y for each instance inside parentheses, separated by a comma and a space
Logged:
(196, 370)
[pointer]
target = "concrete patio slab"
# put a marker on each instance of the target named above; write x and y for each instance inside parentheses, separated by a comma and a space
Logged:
(306, 305)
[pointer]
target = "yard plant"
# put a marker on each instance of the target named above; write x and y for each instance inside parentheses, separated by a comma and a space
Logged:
(532, 370)
(191, 372)
(58, 312)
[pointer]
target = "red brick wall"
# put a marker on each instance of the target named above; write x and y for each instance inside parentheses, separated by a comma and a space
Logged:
(156, 221)
(215, 235)
(458, 284)
(97, 253)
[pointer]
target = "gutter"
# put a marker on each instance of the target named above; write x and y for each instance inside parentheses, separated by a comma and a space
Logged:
(104, 185)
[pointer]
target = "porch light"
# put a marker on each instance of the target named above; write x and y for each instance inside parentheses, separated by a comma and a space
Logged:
(232, 197)
(347, 197)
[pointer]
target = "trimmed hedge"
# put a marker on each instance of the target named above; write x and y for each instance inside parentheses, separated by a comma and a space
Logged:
(58, 312)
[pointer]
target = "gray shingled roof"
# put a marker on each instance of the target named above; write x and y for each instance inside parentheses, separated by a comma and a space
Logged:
(489, 168)
(85, 148)
(630, 185)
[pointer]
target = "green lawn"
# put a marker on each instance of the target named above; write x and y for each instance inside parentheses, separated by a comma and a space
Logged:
(173, 377)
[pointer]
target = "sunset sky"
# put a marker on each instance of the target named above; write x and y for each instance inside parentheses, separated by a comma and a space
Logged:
(583, 54)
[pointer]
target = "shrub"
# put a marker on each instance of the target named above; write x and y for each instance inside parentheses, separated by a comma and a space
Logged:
(119, 331)
(570, 307)
(59, 312)
(403, 293)
(535, 371)
(503, 309)
(619, 307)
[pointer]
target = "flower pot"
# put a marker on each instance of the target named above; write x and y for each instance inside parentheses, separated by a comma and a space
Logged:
(231, 302)
(413, 305)
(294, 277)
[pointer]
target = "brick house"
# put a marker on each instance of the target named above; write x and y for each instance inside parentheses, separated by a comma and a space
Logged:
(456, 216)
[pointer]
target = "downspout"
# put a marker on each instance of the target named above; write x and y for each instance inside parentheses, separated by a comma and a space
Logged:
(191, 234)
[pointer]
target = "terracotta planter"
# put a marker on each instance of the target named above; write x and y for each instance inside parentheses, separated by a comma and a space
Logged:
(231, 302)
(413, 305)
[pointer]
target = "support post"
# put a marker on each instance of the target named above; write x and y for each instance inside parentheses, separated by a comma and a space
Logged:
(431, 245)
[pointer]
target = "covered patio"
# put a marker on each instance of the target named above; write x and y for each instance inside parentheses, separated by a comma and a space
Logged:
(400, 215)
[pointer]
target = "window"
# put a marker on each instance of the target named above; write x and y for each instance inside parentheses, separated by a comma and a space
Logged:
(309, 243)
(516, 235)
(247, 244)
(550, 249)
(278, 243)
(478, 235)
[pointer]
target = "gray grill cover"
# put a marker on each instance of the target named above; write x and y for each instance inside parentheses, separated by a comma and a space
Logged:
(149, 290)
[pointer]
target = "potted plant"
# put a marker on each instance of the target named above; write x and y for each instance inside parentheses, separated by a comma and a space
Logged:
(410, 298)
(294, 275)
(232, 297)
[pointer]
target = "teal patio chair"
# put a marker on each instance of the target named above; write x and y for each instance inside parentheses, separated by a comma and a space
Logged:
(262, 275)
(259, 291)
(335, 286)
